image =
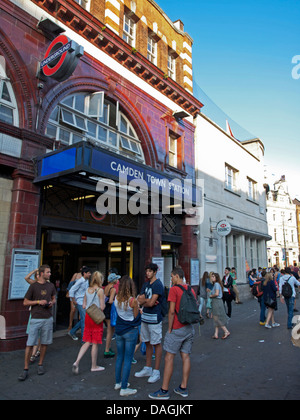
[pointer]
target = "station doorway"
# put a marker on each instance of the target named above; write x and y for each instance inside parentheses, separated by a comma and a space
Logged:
(65, 255)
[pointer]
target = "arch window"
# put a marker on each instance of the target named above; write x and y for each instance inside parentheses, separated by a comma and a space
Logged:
(8, 104)
(86, 116)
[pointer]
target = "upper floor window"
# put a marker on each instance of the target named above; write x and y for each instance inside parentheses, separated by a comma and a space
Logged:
(152, 50)
(129, 30)
(171, 66)
(84, 115)
(251, 189)
(231, 176)
(84, 3)
(173, 152)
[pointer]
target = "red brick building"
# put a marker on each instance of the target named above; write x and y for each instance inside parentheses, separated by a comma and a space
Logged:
(126, 103)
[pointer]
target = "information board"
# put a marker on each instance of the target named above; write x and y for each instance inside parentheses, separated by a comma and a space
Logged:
(23, 262)
(195, 272)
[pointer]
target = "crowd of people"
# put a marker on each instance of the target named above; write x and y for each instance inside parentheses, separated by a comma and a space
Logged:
(137, 318)
(269, 285)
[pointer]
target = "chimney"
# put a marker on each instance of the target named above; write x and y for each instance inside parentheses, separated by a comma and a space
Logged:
(179, 25)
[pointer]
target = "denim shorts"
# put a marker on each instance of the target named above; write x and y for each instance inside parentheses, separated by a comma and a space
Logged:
(180, 340)
(40, 329)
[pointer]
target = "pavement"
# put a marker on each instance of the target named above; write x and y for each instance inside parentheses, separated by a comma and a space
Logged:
(252, 364)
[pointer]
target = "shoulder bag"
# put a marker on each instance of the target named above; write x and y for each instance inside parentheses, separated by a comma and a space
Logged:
(95, 312)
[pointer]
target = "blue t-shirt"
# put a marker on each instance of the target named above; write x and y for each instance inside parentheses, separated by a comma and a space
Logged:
(217, 287)
(152, 315)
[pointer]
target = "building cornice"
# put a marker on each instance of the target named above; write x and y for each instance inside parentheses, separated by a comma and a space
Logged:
(95, 32)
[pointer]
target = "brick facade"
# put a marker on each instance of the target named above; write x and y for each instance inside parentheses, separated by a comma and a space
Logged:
(23, 45)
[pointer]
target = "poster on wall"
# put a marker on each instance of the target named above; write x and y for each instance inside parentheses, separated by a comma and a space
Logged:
(195, 272)
(23, 262)
(161, 268)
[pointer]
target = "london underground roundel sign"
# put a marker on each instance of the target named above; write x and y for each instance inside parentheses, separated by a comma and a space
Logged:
(61, 58)
(223, 228)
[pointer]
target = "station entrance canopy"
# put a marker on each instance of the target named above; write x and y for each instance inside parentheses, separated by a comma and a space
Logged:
(85, 165)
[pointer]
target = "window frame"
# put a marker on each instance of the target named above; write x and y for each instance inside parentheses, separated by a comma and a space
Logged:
(251, 189)
(173, 151)
(152, 52)
(171, 65)
(128, 36)
(231, 186)
(10, 105)
(104, 128)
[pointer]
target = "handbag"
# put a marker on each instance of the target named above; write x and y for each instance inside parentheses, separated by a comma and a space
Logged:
(95, 313)
(270, 302)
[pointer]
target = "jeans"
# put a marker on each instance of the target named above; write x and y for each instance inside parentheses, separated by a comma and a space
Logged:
(228, 300)
(290, 308)
(125, 347)
(80, 323)
(262, 309)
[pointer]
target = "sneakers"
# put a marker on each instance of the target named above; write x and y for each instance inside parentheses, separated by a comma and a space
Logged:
(127, 392)
(273, 325)
(109, 354)
(164, 395)
(41, 370)
(146, 371)
(23, 376)
(154, 375)
(118, 386)
(72, 336)
(160, 395)
(180, 391)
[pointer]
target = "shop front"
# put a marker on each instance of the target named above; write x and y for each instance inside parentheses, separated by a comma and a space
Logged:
(134, 230)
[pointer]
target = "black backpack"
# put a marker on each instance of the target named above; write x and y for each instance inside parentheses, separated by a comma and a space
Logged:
(188, 309)
(287, 291)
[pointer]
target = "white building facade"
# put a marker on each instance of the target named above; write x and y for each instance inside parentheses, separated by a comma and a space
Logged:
(233, 175)
(283, 249)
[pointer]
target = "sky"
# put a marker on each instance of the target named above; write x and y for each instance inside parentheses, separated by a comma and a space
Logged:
(243, 55)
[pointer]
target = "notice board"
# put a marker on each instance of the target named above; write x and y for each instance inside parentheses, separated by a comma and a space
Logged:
(23, 262)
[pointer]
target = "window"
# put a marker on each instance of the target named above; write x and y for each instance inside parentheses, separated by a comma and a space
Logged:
(173, 160)
(251, 189)
(129, 30)
(8, 105)
(152, 50)
(84, 115)
(84, 3)
(171, 66)
(231, 178)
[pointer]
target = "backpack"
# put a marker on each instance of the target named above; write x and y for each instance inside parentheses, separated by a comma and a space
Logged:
(257, 290)
(188, 309)
(164, 306)
(287, 291)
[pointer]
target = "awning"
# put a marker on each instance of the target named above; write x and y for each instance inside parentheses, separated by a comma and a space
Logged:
(87, 163)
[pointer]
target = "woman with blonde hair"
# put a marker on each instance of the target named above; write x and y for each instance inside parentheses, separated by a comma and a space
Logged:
(93, 332)
(127, 332)
(270, 299)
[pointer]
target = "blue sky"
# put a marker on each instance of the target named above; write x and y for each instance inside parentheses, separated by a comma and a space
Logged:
(242, 59)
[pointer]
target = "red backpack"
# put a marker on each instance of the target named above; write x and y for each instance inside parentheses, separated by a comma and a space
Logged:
(257, 290)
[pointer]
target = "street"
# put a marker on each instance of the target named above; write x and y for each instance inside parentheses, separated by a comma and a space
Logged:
(252, 364)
